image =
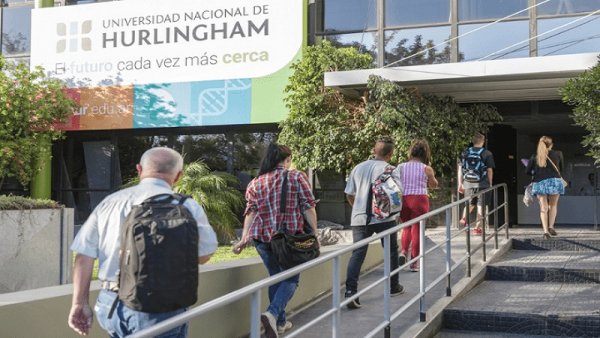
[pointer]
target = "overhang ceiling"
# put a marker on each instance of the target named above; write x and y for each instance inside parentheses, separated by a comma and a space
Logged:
(522, 79)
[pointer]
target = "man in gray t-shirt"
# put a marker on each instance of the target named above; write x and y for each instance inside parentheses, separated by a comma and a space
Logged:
(364, 225)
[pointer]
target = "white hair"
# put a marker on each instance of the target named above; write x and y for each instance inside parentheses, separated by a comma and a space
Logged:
(162, 160)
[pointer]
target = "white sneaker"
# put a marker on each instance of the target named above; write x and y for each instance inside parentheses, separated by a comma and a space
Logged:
(285, 327)
(269, 324)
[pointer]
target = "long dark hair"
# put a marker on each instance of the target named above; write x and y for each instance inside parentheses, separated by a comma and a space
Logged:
(419, 149)
(276, 153)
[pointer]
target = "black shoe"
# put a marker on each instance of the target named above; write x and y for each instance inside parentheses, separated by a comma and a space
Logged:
(355, 303)
(547, 236)
(401, 259)
(397, 289)
(552, 232)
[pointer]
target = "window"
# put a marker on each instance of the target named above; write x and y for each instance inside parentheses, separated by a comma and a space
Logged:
(406, 42)
(581, 36)
(486, 9)
(365, 42)
(557, 7)
(8, 3)
(493, 39)
(16, 30)
(410, 12)
(348, 15)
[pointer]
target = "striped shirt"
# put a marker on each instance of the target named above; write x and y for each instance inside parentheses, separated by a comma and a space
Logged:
(264, 198)
(414, 179)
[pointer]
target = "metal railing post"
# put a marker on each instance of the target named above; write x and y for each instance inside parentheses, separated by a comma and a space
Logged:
(506, 220)
(422, 312)
(496, 218)
(448, 255)
(468, 237)
(255, 314)
(484, 222)
(336, 298)
(387, 259)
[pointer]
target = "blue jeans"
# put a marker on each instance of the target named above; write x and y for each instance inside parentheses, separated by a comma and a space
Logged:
(280, 293)
(126, 321)
(360, 232)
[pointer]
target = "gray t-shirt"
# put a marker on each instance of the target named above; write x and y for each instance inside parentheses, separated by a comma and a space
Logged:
(358, 185)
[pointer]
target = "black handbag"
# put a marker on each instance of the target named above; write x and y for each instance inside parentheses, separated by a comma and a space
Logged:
(293, 249)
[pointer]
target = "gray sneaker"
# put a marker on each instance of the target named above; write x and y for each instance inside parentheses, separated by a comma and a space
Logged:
(269, 324)
(285, 327)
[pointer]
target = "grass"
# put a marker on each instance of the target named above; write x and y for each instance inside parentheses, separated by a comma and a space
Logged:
(223, 254)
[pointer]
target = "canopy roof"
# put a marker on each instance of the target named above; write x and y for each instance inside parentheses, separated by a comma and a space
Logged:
(521, 79)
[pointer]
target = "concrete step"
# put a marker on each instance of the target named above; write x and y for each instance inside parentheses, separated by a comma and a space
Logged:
(547, 309)
(480, 334)
(558, 244)
(547, 266)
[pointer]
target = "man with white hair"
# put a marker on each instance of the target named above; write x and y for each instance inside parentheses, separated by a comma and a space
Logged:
(99, 238)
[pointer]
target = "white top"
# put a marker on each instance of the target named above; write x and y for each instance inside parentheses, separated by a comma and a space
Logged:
(359, 185)
(414, 179)
(99, 236)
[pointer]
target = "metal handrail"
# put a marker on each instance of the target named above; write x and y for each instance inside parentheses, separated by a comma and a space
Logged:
(254, 290)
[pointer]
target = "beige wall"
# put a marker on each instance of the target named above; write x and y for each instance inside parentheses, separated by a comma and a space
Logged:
(43, 312)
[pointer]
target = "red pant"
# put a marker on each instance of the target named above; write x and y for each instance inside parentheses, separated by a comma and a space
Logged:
(412, 206)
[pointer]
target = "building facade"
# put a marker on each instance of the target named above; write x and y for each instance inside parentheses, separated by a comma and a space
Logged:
(514, 54)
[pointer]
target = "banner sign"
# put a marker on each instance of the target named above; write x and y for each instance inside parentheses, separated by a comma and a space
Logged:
(149, 63)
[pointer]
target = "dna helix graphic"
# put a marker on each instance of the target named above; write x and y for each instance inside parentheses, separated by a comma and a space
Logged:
(215, 101)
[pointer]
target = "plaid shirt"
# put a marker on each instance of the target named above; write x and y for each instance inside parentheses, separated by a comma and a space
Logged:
(264, 198)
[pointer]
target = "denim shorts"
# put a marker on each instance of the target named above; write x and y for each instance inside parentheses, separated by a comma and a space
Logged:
(549, 186)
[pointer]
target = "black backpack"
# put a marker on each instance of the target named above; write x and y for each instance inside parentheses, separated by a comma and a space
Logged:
(158, 268)
(473, 168)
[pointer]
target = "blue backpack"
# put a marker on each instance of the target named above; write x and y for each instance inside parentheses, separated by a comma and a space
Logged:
(473, 168)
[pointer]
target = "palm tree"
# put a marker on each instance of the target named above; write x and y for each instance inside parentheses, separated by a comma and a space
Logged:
(217, 194)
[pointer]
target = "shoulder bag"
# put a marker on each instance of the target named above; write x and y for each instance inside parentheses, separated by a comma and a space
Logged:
(564, 182)
(293, 249)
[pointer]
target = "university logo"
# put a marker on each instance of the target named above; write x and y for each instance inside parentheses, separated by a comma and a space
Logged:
(73, 36)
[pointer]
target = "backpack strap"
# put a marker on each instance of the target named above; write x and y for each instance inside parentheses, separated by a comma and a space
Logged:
(181, 198)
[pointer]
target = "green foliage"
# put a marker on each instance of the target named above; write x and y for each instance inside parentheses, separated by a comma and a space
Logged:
(583, 92)
(30, 105)
(20, 203)
(321, 121)
(216, 192)
(329, 131)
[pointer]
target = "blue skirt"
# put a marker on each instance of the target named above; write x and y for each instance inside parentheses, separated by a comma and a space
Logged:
(549, 186)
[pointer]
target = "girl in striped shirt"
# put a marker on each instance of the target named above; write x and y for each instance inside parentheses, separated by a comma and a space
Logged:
(417, 175)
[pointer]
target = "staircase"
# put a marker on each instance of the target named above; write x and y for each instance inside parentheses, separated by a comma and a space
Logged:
(540, 288)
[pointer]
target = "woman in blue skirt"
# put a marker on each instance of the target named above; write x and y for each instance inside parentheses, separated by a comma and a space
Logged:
(545, 167)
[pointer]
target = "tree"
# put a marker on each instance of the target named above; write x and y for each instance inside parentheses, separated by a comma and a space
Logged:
(217, 194)
(30, 106)
(583, 92)
(321, 123)
(215, 191)
(329, 131)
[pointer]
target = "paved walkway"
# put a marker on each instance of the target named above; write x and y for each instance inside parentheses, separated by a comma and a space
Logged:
(357, 323)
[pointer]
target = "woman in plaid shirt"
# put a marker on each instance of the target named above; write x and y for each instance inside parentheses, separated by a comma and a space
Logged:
(262, 217)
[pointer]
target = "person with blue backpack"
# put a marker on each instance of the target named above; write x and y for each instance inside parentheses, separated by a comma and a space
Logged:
(369, 216)
(475, 174)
